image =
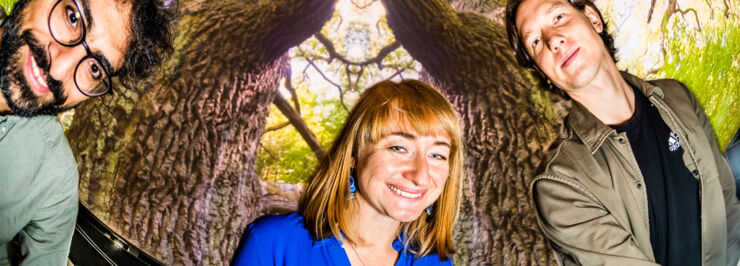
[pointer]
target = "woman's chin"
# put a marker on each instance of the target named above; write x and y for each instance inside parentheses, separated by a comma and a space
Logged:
(406, 216)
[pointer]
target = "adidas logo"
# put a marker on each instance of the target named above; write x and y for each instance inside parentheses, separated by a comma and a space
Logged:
(673, 143)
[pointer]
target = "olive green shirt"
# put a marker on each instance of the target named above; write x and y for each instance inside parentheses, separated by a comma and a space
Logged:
(38, 191)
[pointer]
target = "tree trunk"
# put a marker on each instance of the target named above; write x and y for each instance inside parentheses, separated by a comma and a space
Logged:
(169, 164)
(507, 125)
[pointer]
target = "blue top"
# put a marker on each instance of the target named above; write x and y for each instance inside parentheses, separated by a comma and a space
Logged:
(283, 240)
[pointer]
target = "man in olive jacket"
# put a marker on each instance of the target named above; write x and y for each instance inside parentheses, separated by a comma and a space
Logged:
(636, 177)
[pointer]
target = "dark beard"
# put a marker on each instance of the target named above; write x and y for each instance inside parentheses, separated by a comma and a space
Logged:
(18, 94)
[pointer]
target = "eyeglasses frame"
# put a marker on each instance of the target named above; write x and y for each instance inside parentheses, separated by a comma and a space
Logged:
(87, 49)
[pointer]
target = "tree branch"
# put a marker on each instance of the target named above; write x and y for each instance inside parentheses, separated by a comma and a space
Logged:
(293, 94)
(268, 151)
(333, 54)
(300, 125)
(291, 31)
(696, 15)
(363, 6)
(435, 40)
(279, 197)
(398, 73)
(341, 91)
(278, 126)
(650, 12)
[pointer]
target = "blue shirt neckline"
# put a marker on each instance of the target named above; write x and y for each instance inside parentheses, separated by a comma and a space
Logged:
(333, 241)
(284, 240)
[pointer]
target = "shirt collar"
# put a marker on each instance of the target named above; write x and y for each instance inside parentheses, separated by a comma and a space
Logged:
(589, 129)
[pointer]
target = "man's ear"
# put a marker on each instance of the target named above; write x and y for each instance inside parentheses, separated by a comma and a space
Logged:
(593, 17)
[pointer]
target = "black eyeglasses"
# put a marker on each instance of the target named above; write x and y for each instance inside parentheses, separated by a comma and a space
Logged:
(67, 27)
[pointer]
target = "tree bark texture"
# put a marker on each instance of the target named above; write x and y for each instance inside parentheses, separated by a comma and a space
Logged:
(507, 126)
(169, 163)
(492, 9)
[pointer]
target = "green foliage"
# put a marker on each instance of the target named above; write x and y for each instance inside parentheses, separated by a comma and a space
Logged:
(708, 62)
(283, 154)
(7, 5)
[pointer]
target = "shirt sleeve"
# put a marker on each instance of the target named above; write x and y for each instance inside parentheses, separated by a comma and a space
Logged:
(582, 230)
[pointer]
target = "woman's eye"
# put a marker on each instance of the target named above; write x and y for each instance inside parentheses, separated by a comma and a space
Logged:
(439, 156)
(397, 148)
(559, 17)
(536, 42)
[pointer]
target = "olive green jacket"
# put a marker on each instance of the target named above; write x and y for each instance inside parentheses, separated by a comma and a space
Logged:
(590, 198)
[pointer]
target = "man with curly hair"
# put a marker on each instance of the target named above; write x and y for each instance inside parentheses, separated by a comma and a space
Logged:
(635, 177)
(55, 54)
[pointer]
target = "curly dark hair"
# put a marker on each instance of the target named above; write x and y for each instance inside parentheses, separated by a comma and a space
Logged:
(523, 57)
(150, 39)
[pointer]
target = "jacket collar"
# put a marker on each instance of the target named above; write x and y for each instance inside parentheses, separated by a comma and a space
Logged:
(589, 129)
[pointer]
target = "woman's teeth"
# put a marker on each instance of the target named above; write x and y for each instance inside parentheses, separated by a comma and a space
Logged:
(404, 193)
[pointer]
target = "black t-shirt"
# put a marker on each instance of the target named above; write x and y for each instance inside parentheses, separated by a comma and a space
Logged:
(672, 191)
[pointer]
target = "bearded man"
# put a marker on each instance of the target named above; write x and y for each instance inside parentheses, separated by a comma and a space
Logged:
(54, 55)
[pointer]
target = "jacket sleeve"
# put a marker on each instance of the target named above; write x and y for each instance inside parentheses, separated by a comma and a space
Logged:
(582, 230)
(732, 204)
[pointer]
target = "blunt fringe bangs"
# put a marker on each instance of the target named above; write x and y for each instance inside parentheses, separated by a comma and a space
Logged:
(383, 109)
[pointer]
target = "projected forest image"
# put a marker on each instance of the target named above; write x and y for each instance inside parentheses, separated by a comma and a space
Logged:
(234, 122)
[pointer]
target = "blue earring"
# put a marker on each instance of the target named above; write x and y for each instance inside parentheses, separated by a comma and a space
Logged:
(429, 213)
(351, 181)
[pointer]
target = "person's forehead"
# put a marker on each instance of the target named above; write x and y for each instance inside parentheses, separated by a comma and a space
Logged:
(109, 30)
(407, 131)
(531, 11)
